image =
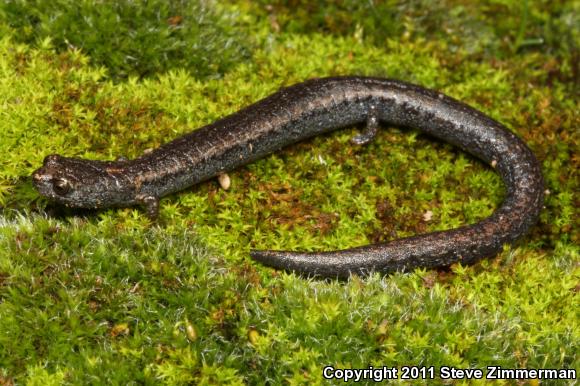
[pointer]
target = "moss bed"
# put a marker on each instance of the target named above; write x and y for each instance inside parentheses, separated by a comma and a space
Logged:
(94, 297)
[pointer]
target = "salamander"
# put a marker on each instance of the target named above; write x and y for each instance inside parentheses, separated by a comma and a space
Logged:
(302, 111)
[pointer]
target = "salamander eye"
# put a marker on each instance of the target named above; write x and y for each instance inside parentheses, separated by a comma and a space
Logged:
(61, 186)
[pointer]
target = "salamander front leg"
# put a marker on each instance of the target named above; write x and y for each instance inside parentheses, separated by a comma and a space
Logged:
(370, 132)
(151, 204)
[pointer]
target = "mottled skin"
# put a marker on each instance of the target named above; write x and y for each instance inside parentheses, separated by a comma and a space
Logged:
(303, 111)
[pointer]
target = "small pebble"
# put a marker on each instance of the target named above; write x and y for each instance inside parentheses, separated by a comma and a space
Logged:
(224, 181)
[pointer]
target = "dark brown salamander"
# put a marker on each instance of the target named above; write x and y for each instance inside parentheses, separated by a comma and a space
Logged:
(302, 111)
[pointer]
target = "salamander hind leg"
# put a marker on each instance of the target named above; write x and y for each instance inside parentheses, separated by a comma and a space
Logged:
(370, 132)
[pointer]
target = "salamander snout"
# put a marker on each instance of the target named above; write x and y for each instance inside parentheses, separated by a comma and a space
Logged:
(68, 181)
(80, 183)
(51, 179)
(38, 177)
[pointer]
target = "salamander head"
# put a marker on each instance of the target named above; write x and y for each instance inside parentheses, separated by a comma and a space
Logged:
(79, 183)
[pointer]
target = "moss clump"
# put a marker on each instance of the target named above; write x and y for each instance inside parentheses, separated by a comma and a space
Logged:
(116, 300)
(473, 27)
(133, 38)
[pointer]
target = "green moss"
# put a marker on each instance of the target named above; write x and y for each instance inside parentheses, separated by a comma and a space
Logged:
(133, 38)
(100, 297)
(483, 28)
(102, 300)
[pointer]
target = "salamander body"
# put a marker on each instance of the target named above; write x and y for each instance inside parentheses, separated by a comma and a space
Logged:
(302, 111)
